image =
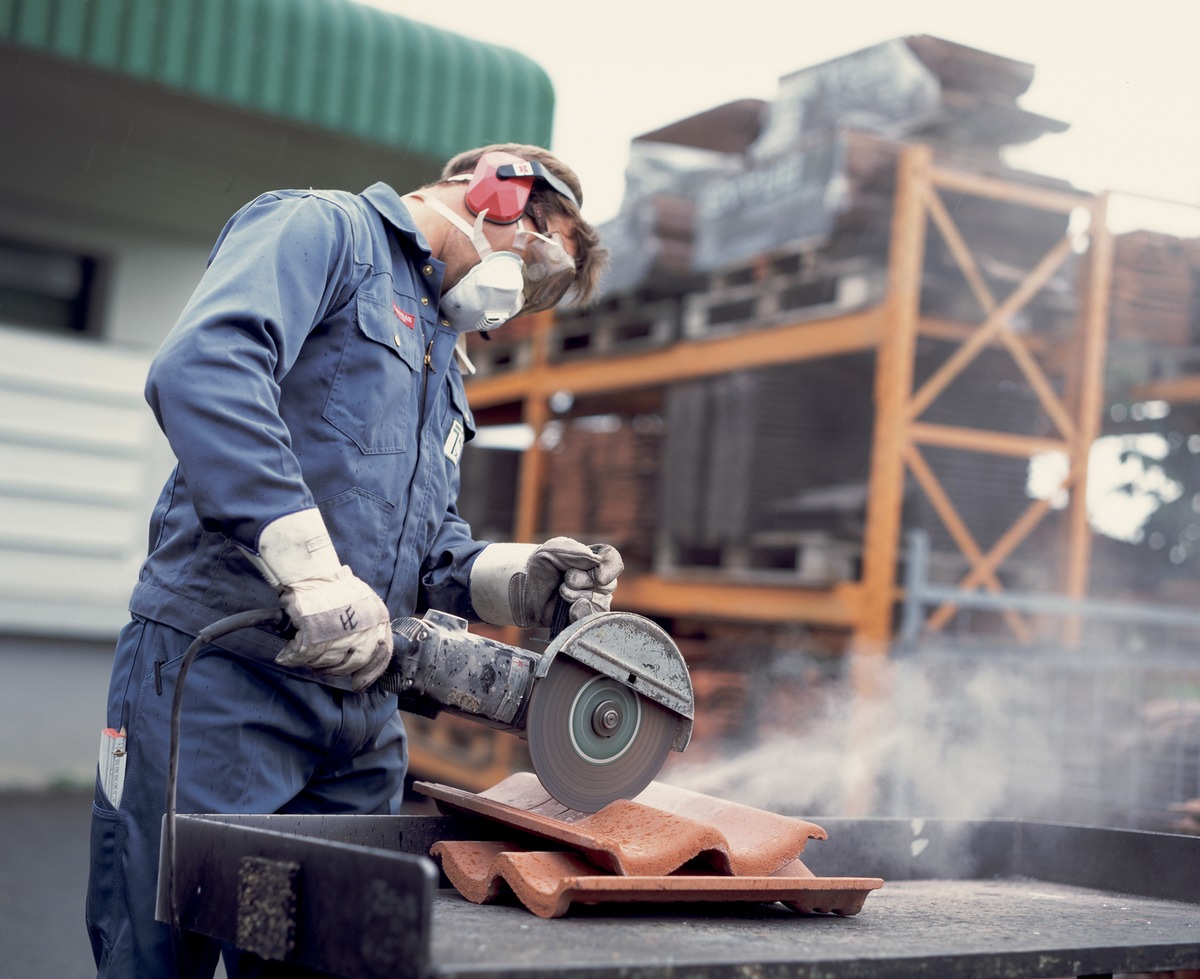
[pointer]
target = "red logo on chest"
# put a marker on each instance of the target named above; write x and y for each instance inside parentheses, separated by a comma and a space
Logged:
(406, 318)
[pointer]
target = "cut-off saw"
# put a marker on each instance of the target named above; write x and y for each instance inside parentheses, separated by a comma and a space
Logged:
(601, 706)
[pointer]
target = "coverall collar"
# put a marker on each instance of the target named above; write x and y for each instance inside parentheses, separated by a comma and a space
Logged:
(388, 203)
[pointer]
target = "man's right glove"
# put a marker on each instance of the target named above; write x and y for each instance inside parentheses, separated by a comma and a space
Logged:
(519, 584)
(342, 625)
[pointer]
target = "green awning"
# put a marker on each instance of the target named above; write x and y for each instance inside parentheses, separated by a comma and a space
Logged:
(331, 64)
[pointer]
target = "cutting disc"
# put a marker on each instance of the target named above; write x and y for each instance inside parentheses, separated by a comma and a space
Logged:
(592, 738)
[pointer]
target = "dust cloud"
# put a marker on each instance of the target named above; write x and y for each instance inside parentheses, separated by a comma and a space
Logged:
(1094, 738)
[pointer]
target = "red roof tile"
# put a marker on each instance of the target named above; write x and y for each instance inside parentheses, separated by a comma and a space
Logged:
(547, 883)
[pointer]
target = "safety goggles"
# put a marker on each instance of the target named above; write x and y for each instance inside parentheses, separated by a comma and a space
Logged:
(549, 269)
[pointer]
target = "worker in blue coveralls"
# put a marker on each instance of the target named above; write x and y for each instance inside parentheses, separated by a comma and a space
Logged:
(312, 393)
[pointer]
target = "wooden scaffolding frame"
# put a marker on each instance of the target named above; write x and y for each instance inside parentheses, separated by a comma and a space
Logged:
(866, 607)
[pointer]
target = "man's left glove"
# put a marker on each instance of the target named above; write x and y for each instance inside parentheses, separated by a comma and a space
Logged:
(342, 627)
(519, 584)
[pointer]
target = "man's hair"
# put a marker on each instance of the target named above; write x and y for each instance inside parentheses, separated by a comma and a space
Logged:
(590, 257)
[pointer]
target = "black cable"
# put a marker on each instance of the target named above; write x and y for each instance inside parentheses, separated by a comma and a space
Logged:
(222, 627)
(562, 616)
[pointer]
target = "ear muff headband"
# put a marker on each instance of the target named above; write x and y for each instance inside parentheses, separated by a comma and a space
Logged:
(502, 183)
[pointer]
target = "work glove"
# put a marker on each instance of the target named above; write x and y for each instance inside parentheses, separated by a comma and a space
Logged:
(342, 626)
(519, 584)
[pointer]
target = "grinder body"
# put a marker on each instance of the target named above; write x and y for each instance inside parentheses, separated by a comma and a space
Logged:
(600, 706)
(438, 665)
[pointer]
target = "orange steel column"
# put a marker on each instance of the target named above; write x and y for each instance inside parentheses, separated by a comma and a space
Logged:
(532, 476)
(1089, 411)
(534, 412)
(871, 714)
(893, 389)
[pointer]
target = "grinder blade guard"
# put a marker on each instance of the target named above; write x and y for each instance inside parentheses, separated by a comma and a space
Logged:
(601, 706)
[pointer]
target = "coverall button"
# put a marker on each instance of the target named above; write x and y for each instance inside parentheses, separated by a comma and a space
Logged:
(424, 300)
(396, 337)
(428, 270)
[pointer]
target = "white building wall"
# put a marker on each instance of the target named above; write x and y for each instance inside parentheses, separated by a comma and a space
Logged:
(78, 454)
(81, 463)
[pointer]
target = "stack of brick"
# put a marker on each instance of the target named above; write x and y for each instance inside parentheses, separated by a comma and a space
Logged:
(1156, 290)
(602, 484)
(811, 170)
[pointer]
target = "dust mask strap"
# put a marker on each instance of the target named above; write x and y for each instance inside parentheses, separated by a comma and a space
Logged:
(478, 238)
(491, 292)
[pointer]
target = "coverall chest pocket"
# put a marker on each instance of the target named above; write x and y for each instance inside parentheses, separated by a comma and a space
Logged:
(374, 397)
(459, 408)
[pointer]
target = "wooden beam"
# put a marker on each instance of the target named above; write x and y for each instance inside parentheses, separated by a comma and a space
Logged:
(997, 320)
(961, 253)
(984, 440)
(893, 387)
(1176, 390)
(956, 331)
(533, 461)
(725, 598)
(1007, 191)
(1091, 406)
(963, 537)
(809, 340)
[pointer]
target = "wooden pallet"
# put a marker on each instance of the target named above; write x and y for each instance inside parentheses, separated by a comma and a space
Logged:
(626, 325)
(810, 559)
(496, 356)
(770, 293)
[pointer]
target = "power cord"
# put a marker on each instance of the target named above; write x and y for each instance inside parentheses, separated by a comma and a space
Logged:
(222, 627)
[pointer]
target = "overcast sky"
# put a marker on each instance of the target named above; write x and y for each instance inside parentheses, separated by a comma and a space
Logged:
(1125, 75)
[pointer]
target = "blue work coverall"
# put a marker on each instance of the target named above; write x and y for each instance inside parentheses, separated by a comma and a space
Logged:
(308, 369)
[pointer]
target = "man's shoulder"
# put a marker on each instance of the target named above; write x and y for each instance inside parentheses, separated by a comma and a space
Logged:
(364, 210)
(353, 205)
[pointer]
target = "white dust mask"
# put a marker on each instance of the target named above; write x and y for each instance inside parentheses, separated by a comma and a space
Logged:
(492, 292)
(488, 296)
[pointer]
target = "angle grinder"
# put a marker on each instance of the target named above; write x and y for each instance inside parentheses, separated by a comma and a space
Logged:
(601, 705)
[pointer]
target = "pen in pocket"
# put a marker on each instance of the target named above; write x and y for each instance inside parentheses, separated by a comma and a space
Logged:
(112, 764)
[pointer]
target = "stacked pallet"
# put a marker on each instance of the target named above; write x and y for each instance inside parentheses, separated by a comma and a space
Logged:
(784, 212)
(619, 324)
(810, 178)
(650, 239)
(917, 86)
(761, 213)
(760, 467)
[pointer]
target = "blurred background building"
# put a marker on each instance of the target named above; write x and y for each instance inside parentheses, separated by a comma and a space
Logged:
(131, 132)
(898, 441)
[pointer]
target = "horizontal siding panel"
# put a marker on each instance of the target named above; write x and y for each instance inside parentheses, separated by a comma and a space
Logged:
(78, 452)
(30, 576)
(53, 617)
(71, 369)
(56, 527)
(27, 418)
(52, 473)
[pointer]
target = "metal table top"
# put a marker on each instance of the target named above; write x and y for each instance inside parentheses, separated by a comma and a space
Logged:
(999, 898)
(923, 928)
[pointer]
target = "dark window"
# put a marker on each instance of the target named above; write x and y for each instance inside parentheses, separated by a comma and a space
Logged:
(47, 288)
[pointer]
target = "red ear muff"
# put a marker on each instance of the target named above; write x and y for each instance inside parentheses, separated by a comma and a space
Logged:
(504, 200)
(502, 183)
